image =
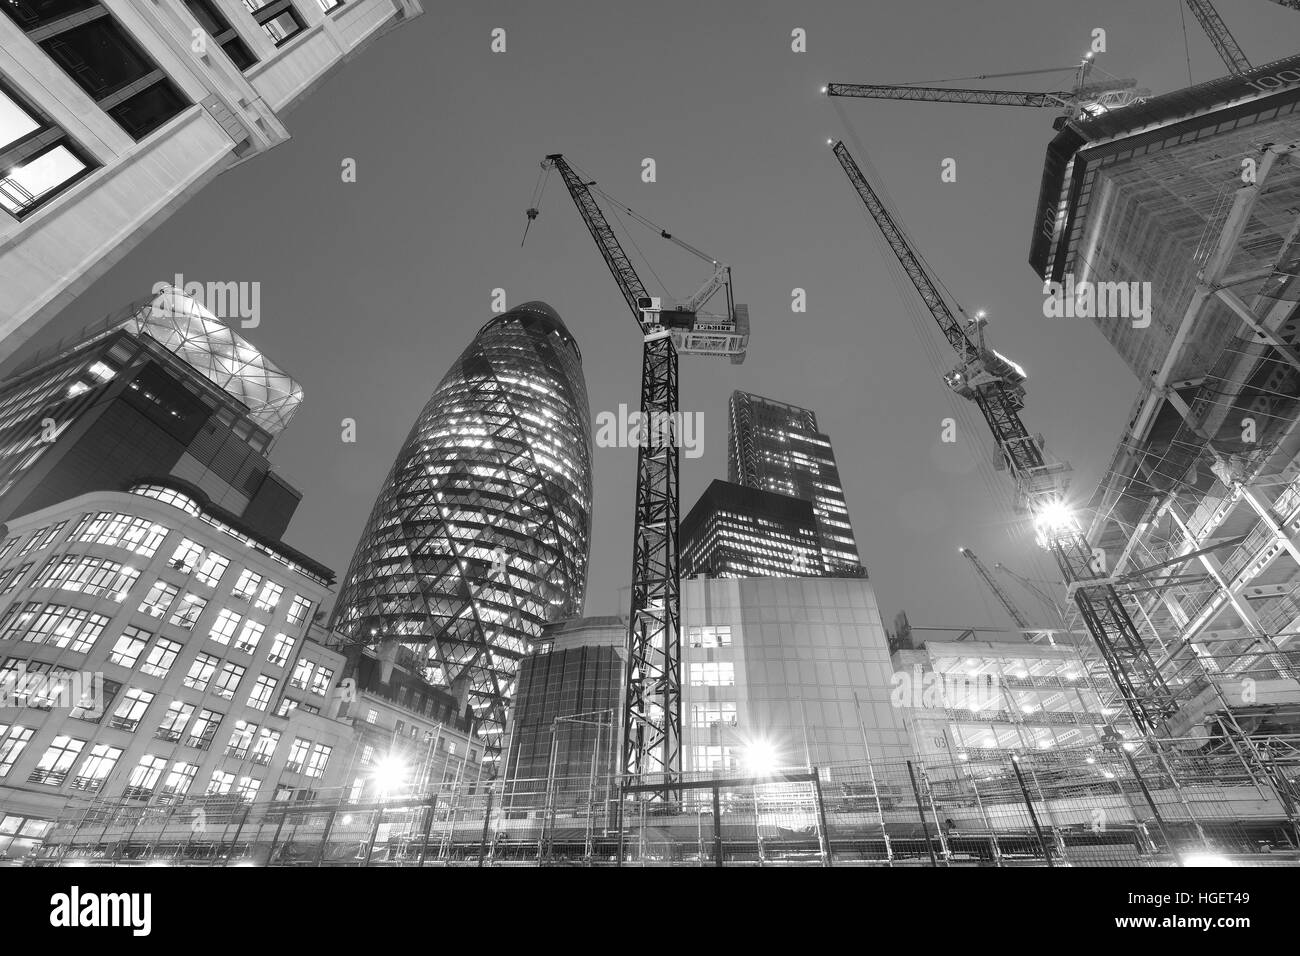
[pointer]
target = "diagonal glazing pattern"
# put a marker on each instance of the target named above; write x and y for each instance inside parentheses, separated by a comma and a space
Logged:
(480, 534)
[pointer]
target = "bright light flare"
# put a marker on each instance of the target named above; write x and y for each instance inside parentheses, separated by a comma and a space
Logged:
(761, 758)
(1053, 520)
(390, 773)
(1206, 859)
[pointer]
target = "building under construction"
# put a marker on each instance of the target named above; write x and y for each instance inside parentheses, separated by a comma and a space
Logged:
(1195, 197)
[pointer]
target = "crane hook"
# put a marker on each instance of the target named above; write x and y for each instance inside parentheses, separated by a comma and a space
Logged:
(532, 214)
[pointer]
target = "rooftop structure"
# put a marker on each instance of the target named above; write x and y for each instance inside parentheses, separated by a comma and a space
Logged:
(739, 532)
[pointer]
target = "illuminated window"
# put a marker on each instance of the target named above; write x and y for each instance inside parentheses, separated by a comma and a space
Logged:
(37, 160)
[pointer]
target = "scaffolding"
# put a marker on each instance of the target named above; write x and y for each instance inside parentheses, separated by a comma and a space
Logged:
(1102, 805)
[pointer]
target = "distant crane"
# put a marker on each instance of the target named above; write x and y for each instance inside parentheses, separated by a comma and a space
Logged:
(1084, 99)
(1021, 622)
(652, 703)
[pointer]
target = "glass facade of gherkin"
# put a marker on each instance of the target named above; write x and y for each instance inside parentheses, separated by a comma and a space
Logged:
(480, 534)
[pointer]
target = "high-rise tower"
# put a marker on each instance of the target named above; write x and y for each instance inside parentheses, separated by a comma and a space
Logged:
(778, 447)
(480, 533)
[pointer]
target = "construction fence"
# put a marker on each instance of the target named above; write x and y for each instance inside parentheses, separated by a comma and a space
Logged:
(1061, 808)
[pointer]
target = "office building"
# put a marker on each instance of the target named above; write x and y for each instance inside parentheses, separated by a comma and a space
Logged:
(111, 119)
(154, 648)
(567, 715)
(160, 389)
(777, 447)
(480, 533)
(739, 532)
(785, 672)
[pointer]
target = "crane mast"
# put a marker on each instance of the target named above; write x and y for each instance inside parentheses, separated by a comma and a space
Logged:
(651, 727)
(995, 386)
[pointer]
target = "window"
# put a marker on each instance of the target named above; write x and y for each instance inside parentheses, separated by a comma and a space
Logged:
(223, 628)
(12, 745)
(287, 706)
(174, 721)
(277, 18)
(58, 625)
(712, 674)
(203, 729)
(90, 706)
(302, 672)
(228, 680)
(267, 741)
(131, 709)
(220, 783)
(42, 538)
(270, 596)
(372, 716)
(52, 768)
(94, 770)
(298, 610)
(327, 6)
(186, 557)
(95, 576)
(133, 533)
(159, 599)
(715, 758)
(367, 755)
(248, 787)
(320, 683)
(219, 28)
(298, 755)
(187, 611)
(145, 776)
(710, 636)
(247, 585)
(37, 159)
(128, 647)
(249, 636)
(161, 657)
(18, 576)
(211, 570)
(262, 691)
(104, 60)
(320, 758)
(5, 119)
(179, 780)
(713, 715)
(201, 671)
(280, 649)
(241, 738)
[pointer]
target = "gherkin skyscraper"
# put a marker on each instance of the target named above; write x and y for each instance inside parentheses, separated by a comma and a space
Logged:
(481, 532)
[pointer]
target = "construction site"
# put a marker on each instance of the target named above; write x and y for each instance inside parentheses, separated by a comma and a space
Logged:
(1151, 715)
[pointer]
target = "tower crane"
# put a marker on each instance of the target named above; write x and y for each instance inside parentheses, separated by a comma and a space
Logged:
(652, 703)
(1004, 599)
(996, 386)
(1085, 98)
(1225, 44)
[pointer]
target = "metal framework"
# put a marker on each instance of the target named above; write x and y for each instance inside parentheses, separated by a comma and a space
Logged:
(651, 727)
(1225, 44)
(1003, 598)
(1084, 99)
(983, 378)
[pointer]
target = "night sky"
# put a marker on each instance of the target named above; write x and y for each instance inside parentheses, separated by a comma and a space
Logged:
(370, 289)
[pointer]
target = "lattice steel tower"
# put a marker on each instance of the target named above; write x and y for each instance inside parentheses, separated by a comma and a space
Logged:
(481, 532)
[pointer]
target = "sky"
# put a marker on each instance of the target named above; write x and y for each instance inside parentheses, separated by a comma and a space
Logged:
(370, 289)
